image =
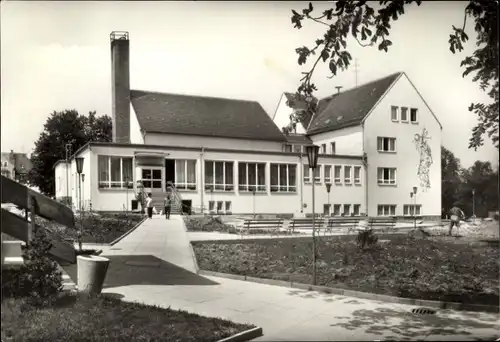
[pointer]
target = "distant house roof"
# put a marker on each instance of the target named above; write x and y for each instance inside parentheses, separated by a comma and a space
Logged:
(21, 162)
(205, 116)
(302, 139)
(349, 108)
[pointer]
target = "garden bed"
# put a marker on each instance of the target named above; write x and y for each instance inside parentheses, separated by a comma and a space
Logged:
(103, 318)
(401, 265)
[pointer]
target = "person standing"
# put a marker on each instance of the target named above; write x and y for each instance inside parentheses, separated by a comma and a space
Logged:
(167, 203)
(456, 214)
(149, 205)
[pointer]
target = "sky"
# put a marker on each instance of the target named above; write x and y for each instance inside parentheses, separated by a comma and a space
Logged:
(56, 56)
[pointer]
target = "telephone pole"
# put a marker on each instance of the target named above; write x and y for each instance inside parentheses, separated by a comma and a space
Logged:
(356, 70)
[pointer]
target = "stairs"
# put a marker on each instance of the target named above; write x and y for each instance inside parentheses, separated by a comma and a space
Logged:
(158, 200)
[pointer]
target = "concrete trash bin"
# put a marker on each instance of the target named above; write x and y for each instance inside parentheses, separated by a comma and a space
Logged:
(92, 271)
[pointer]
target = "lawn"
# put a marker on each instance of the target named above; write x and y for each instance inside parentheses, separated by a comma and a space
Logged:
(402, 265)
(215, 224)
(81, 318)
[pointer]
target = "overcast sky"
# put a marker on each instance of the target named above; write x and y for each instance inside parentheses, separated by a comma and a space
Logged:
(56, 55)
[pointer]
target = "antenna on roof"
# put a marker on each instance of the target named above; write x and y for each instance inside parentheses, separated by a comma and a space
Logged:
(338, 89)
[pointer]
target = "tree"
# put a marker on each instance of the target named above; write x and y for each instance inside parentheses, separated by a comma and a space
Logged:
(370, 28)
(61, 128)
(450, 179)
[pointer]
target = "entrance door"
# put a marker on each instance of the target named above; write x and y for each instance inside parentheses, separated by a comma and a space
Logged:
(169, 171)
(151, 179)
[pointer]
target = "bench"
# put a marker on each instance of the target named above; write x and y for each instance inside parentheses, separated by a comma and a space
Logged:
(271, 225)
(381, 223)
(305, 223)
(12, 254)
(340, 223)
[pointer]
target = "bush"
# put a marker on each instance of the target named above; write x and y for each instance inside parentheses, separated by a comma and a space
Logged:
(39, 278)
(366, 238)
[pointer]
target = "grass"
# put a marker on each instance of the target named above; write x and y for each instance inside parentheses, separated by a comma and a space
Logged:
(403, 265)
(215, 224)
(82, 318)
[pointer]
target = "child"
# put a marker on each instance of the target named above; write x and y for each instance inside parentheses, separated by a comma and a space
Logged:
(167, 203)
(149, 206)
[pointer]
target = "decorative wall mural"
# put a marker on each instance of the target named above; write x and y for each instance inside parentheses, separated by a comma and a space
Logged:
(424, 149)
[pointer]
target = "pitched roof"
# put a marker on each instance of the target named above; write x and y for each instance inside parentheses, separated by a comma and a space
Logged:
(206, 116)
(20, 161)
(349, 107)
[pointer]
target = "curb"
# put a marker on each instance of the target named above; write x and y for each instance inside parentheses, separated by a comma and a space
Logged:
(127, 233)
(359, 294)
(191, 250)
(243, 336)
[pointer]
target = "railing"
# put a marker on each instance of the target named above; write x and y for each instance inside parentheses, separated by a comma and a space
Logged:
(36, 204)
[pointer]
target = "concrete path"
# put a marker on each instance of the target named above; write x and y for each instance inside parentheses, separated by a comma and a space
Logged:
(154, 265)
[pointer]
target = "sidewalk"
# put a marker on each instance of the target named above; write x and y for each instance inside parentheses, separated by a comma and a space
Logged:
(154, 265)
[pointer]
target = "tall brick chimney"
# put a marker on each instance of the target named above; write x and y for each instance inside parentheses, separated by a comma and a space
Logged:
(120, 86)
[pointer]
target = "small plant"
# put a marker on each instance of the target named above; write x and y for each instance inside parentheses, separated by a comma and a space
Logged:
(366, 238)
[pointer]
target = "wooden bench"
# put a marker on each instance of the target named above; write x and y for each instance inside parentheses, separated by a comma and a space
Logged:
(271, 225)
(305, 223)
(381, 223)
(341, 223)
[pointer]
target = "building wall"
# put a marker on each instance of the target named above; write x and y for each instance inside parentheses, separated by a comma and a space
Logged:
(406, 158)
(86, 187)
(135, 130)
(60, 180)
(212, 142)
(282, 115)
(348, 141)
(241, 202)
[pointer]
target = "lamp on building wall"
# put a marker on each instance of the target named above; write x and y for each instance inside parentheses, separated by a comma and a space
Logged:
(328, 188)
(312, 157)
(415, 207)
(79, 169)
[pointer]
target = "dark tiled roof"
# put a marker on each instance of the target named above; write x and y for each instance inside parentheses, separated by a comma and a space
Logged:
(298, 139)
(349, 107)
(20, 161)
(206, 116)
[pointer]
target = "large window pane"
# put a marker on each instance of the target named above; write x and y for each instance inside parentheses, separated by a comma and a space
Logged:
(209, 172)
(261, 177)
(103, 171)
(191, 171)
(180, 174)
(252, 176)
(229, 173)
(274, 177)
(242, 176)
(219, 173)
(146, 174)
(116, 169)
(292, 176)
(156, 174)
(127, 172)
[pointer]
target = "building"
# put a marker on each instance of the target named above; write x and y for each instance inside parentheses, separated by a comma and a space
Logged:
(229, 156)
(15, 166)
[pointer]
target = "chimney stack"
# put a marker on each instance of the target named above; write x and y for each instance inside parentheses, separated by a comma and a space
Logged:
(338, 89)
(120, 86)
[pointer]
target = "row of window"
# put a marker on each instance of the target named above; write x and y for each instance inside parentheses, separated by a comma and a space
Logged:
(221, 206)
(296, 148)
(348, 209)
(390, 210)
(404, 114)
(351, 174)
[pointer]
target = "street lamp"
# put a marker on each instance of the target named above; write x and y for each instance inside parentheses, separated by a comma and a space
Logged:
(415, 208)
(312, 158)
(83, 190)
(328, 187)
(253, 193)
(79, 169)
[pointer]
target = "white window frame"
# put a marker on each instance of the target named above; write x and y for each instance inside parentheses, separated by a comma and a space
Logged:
(288, 188)
(246, 187)
(109, 183)
(416, 114)
(387, 210)
(397, 114)
(380, 176)
(348, 206)
(348, 180)
(357, 180)
(339, 212)
(333, 148)
(317, 174)
(294, 149)
(356, 209)
(337, 180)
(380, 144)
(307, 174)
(226, 186)
(228, 206)
(288, 148)
(409, 209)
(323, 148)
(407, 114)
(328, 174)
(211, 206)
(186, 185)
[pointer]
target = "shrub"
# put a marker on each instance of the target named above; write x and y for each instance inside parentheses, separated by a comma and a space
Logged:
(366, 238)
(39, 278)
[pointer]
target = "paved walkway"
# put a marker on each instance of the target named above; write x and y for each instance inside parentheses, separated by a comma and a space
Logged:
(154, 265)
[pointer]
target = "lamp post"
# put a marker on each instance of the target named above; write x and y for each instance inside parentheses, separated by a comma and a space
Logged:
(253, 194)
(83, 191)
(328, 188)
(474, 206)
(312, 157)
(79, 169)
(415, 207)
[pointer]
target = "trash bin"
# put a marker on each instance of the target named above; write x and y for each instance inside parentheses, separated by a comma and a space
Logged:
(92, 271)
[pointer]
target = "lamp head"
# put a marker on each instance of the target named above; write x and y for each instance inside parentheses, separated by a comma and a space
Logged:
(415, 190)
(312, 155)
(79, 164)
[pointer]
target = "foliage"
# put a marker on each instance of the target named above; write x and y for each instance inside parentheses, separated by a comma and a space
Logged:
(366, 238)
(39, 278)
(450, 179)
(371, 28)
(77, 317)
(215, 224)
(61, 128)
(406, 266)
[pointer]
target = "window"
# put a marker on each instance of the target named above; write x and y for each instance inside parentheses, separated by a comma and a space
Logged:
(347, 175)
(297, 148)
(336, 210)
(333, 147)
(115, 172)
(394, 113)
(347, 210)
(356, 209)
(357, 175)
(185, 174)
(337, 176)
(323, 148)
(326, 209)
(386, 210)
(151, 178)
(252, 176)
(404, 114)
(317, 174)
(219, 176)
(228, 206)
(386, 175)
(219, 206)
(328, 173)
(211, 205)
(283, 178)
(386, 144)
(307, 174)
(413, 115)
(288, 148)
(411, 210)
